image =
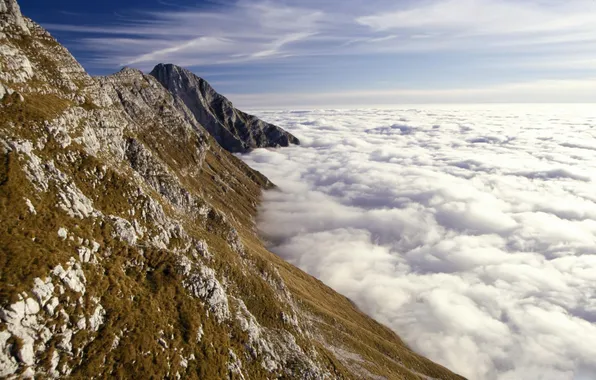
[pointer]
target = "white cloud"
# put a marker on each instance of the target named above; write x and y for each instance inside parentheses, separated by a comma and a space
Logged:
(471, 231)
(200, 43)
(488, 17)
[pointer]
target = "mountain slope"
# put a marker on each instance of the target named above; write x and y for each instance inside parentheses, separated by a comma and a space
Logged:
(233, 129)
(128, 244)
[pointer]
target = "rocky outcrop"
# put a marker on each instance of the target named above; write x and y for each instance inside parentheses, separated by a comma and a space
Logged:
(11, 17)
(129, 245)
(233, 129)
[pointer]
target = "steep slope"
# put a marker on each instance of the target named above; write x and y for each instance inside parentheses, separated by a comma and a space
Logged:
(128, 245)
(235, 130)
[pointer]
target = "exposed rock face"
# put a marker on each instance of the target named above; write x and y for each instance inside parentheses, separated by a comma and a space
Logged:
(11, 17)
(233, 129)
(128, 242)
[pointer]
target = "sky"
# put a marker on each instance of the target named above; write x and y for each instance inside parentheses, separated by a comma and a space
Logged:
(291, 53)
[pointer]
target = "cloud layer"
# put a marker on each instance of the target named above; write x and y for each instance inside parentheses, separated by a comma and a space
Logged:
(469, 231)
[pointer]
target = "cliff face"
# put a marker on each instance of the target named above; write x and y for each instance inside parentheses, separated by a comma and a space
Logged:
(233, 129)
(128, 244)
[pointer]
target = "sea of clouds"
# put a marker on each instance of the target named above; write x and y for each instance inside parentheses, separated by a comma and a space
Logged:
(470, 231)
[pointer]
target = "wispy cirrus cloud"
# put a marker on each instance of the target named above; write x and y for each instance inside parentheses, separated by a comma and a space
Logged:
(240, 32)
(489, 17)
(268, 30)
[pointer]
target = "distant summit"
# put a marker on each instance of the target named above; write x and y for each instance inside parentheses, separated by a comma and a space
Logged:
(233, 129)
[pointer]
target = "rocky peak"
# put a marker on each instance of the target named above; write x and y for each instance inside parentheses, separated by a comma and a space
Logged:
(10, 16)
(129, 72)
(233, 129)
(127, 75)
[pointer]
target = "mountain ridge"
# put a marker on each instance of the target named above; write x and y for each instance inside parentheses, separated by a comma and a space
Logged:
(233, 129)
(128, 242)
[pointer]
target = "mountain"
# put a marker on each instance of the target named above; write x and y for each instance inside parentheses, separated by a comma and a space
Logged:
(128, 245)
(233, 129)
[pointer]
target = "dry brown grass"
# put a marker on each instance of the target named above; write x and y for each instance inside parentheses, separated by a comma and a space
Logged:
(34, 109)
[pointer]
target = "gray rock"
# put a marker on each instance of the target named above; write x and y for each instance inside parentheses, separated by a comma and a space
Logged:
(124, 231)
(30, 206)
(31, 306)
(8, 364)
(233, 129)
(85, 254)
(73, 276)
(43, 290)
(97, 318)
(51, 305)
(10, 16)
(63, 233)
(202, 283)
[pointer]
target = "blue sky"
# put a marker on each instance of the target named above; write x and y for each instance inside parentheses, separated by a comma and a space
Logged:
(296, 53)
